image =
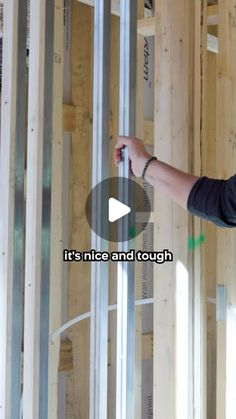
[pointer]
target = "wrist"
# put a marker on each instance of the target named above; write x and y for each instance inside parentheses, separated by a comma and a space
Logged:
(149, 161)
(139, 164)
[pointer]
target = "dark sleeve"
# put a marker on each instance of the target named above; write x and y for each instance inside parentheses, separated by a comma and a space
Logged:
(214, 200)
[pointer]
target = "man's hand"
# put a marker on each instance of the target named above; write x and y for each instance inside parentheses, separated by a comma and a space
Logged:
(137, 153)
(167, 179)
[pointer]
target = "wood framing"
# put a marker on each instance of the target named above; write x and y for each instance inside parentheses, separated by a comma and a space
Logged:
(172, 133)
(80, 183)
(199, 289)
(226, 238)
(115, 5)
(147, 346)
(193, 343)
(69, 118)
(147, 26)
(212, 11)
(148, 135)
(209, 168)
(66, 355)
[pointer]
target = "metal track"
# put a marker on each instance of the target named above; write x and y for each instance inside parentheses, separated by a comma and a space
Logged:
(12, 204)
(125, 362)
(99, 271)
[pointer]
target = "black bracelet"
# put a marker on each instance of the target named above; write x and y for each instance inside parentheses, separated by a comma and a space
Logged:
(147, 164)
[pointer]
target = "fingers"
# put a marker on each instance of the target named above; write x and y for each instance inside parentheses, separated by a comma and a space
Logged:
(122, 141)
(117, 156)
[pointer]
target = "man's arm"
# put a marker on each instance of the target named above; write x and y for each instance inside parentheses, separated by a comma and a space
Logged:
(173, 182)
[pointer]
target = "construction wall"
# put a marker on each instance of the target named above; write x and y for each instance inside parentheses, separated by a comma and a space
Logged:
(77, 394)
(196, 97)
(185, 113)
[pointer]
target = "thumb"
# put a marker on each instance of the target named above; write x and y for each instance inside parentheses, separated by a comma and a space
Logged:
(122, 141)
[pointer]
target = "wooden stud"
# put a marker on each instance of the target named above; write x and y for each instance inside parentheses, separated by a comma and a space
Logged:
(148, 135)
(69, 118)
(147, 346)
(212, 10)
(209, 168)
(226, 238)
(66, 356)
(80, 182)
(147, 26)
(172, 132)
(199, 291)
(115, 5)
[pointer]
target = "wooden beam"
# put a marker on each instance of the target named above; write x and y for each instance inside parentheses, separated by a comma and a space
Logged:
(66, 356)
(199, 290)
(209, 248)
(147, 346)
(147, 26)
(226, 238)
(69, 118)
(172, 121)
(115, 5)
(148, 135)
(66, 352)
(80, 167)
(115, 9)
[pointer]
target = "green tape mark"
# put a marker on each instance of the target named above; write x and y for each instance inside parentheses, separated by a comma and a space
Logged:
(194, 243)
(132, 232)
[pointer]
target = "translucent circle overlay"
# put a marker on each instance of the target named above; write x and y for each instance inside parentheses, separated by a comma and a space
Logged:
(129, 193)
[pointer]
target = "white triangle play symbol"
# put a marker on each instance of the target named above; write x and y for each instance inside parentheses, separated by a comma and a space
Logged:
(117, 210)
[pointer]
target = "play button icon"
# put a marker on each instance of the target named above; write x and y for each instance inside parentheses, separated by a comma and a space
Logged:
(117, 210)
